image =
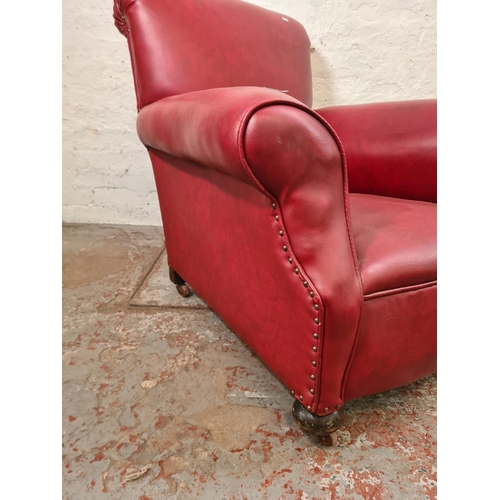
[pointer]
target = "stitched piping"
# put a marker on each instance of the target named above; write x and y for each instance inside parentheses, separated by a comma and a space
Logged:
(281, 232)
(397, 291)
(347, 213)
(316, 391)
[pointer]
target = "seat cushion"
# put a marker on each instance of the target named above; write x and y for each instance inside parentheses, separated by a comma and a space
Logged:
(395, 242)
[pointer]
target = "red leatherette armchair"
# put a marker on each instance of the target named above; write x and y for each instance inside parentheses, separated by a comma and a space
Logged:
(331, 283)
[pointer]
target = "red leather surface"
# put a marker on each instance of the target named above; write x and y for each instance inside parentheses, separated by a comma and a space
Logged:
(207, 126)
(273, 144)
(397, 343)
(281, 148)
(183, 46)
(254, 198)
(395, 241)
(391, 147)
(222, 237)
(292, 153)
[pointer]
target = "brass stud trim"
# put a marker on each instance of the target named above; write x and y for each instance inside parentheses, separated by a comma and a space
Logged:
(316, 306)
(326, 408)
(308, 408)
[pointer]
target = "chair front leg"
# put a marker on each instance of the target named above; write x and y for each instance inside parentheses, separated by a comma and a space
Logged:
(324, 428)
(179, 282)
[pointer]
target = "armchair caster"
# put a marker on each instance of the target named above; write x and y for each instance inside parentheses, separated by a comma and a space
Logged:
(184, 290)
(323, 428)
(179, 283)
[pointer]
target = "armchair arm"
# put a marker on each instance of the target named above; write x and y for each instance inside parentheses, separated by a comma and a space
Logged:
(292, 156)
(215, 127)
(391, 147)
(207, 127)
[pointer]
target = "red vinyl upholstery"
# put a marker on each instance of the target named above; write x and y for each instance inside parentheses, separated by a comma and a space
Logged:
(395, 241)
(391, 146)
(182, 46)
(330, 281)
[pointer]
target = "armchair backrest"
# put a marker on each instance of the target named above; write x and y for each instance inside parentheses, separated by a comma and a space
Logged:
(180, 46)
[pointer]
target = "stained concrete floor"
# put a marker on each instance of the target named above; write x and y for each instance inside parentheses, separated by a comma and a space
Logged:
(162, 401)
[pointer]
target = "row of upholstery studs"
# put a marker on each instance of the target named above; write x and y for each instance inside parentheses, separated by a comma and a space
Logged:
(123, 24)
(315, 305)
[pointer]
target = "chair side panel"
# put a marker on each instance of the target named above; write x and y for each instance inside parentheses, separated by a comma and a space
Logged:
(222, 237)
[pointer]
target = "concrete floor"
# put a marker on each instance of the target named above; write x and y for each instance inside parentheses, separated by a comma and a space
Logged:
(161, 400)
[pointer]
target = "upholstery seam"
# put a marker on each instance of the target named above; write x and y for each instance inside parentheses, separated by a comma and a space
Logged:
(246, 166)
(123, 9)
(400, 290)
(317, 299)
(354, 255)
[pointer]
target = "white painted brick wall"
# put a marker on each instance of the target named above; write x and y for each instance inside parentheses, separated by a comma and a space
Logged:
(364, 51)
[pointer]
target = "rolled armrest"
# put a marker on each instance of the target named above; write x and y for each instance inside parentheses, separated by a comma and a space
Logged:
(215, 127)
(391, 147)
